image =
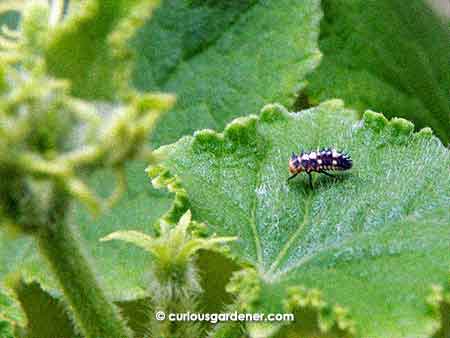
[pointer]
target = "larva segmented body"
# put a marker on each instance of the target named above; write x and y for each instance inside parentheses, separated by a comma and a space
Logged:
(320, 162)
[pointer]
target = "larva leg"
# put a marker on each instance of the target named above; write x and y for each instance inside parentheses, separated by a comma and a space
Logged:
(310, 180)
(292, 176)
(328, 174)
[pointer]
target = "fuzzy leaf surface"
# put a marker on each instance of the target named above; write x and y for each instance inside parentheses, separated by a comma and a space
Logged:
(225, 59)
(372, 240)
(390, 56)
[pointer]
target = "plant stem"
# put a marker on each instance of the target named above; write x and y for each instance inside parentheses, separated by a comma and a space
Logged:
(96, 316)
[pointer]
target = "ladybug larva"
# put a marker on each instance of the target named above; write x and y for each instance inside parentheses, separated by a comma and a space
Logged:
(320, 162)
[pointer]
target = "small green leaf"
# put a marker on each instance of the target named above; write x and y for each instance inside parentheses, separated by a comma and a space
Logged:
(225, 59)
(385, 55)
(175, 283)
(175, 246)
(373, 239)
(135, 237)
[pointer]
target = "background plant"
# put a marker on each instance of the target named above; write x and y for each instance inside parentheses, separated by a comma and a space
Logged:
(224, 60)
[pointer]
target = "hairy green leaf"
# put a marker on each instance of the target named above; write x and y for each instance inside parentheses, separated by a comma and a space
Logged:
(386, 55)
(225, 59)
(372, 240)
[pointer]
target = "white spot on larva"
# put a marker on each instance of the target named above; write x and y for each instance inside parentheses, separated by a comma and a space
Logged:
(334, 162)
(313, 155)
(305, 157)
(335, 154)
(319, 161)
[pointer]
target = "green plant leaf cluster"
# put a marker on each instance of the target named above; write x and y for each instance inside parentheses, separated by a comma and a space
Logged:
(175, 282)
(374, 234)
(361, 254)
(300, 32)
(48, 137)
(49, 142)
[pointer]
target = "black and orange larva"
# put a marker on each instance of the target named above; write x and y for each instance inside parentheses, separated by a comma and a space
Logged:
(319, 162)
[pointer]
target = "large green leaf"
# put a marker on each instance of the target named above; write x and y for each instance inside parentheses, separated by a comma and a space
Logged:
(269, 47)
(225, 59)
(386, 55)
(373, 239)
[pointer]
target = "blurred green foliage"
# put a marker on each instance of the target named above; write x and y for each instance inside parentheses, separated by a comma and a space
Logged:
(222, 60)
(386, 55)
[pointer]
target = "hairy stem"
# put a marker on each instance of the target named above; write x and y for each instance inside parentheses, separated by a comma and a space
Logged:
(96, 316)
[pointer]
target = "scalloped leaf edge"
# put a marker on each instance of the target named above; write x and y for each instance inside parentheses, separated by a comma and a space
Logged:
(246, 285)
(238, 133)
(242, 128)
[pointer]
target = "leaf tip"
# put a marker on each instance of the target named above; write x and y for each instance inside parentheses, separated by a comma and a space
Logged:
(241, 130)
(426, 133)
(273, 112)
(207, 139)
(154, 101)
(162, 178)
(185, 219)
(401, 126)
(153, 170)
(333, 104)
(374, 121)
(110, 237)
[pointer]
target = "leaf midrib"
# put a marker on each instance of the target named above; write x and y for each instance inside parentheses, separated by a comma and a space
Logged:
(282, 254)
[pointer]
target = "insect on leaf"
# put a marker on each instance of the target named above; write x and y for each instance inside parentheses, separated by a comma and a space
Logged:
(373, 240)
